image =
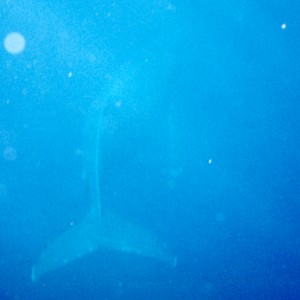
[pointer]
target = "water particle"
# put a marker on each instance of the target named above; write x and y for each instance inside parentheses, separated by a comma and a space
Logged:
(283, 26)
(14, 43)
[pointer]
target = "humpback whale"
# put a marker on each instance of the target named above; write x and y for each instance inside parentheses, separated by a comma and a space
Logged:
(99, 229)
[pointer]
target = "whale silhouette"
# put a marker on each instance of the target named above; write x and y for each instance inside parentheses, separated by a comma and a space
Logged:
(99, 229)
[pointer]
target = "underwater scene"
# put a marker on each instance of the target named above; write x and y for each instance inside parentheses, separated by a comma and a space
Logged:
(149, 149)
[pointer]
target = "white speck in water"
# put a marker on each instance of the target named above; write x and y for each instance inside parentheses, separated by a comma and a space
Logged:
(210, 161)
(283, 26)
(14, 43)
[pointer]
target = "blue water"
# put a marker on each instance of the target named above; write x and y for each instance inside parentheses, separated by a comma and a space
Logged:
(199, 144)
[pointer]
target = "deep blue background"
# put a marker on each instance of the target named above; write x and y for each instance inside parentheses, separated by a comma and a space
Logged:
(200, 144)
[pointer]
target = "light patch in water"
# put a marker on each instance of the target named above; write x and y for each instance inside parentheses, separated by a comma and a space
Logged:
(14, 43)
